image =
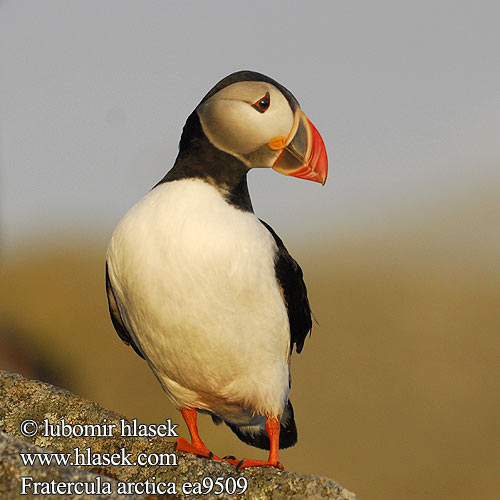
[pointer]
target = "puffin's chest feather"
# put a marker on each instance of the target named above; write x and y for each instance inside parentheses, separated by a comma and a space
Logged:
(184, 246)
(189, 225)
(193, 271)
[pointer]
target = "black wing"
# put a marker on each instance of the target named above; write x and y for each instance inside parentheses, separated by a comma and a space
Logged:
(289, 276)
(117, 319)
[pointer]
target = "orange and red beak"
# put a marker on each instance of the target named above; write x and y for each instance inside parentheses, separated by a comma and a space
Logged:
(303, 152)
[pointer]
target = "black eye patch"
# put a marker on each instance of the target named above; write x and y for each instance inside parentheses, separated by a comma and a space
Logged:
(262, 104)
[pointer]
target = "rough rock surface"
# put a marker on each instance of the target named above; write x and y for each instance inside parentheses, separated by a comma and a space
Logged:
(22, 399)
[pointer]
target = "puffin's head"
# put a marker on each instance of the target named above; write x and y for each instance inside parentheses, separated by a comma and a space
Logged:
(255, 119)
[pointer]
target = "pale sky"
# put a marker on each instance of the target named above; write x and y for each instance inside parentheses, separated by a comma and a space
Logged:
(94, 95)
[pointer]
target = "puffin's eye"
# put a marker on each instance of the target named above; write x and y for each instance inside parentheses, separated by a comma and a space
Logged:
(262, 104)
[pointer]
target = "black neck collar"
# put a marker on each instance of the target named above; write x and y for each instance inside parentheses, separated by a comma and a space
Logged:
(198, 158)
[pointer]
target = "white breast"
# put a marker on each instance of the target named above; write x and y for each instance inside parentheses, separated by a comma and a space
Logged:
(195, 284)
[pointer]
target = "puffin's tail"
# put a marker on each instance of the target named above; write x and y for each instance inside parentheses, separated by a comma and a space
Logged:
(256, 435)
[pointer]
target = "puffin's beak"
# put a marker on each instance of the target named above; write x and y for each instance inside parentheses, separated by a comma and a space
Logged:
(303, 153)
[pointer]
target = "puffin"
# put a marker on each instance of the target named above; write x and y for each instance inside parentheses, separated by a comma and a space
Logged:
(201, 288)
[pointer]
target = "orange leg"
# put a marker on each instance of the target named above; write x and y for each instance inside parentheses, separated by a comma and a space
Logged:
(273, 431)
(197, 446)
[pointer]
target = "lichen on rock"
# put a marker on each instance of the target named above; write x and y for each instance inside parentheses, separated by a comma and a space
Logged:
(22, 399)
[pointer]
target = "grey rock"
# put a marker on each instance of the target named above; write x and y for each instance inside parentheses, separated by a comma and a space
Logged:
(22, 399)
(15, 475)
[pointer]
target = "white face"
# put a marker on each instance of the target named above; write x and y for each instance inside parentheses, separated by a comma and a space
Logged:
(235, 126)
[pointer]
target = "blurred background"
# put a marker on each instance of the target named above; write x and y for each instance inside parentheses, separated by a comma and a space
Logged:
(397, 392)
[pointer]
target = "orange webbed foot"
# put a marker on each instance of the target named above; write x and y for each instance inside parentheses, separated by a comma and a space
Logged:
(232, 460)
(201, 450)
(273, 431)
(197, 447)
(246, 462)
